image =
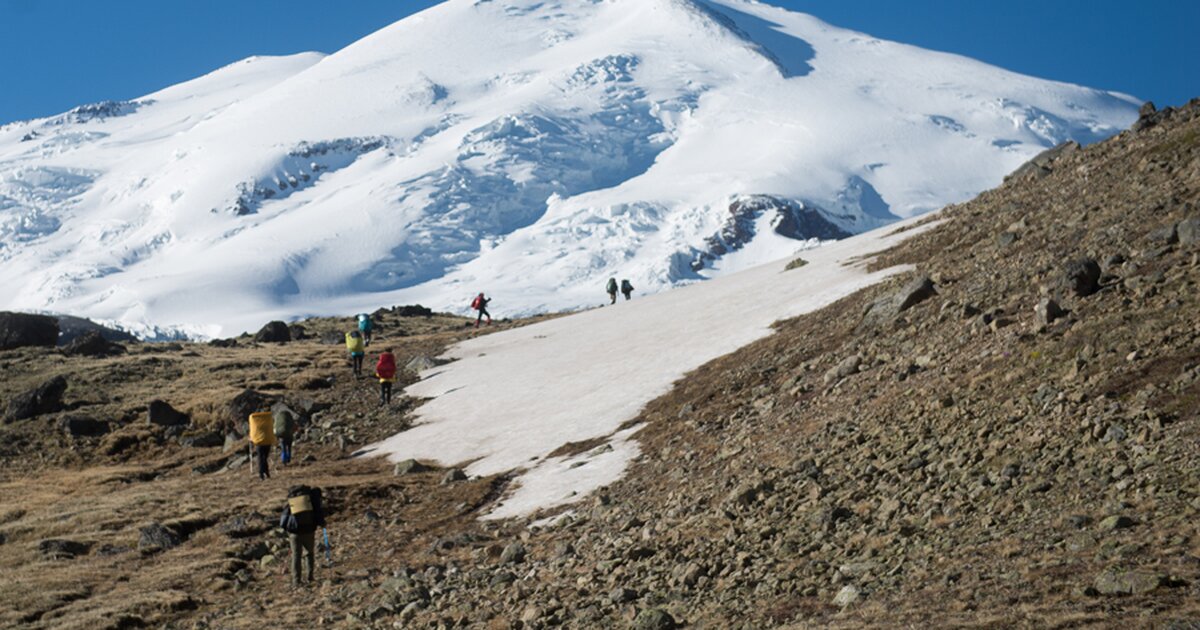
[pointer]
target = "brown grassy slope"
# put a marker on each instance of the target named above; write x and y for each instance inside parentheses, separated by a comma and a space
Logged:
(55, 487)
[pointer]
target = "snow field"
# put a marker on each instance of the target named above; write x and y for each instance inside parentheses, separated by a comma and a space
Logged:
(508, 400)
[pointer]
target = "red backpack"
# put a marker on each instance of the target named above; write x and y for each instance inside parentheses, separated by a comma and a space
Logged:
(477, 302)
(386, 367)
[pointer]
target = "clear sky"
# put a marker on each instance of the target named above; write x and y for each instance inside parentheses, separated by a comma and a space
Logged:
(56, 54)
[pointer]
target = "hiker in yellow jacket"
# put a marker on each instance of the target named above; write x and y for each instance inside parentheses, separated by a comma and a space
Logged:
(358, 349)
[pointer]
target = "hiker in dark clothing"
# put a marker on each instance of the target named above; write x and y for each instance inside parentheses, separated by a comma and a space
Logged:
(612, 290)
(285, 433)
(627, 289)
(301, 517)
(480, 304)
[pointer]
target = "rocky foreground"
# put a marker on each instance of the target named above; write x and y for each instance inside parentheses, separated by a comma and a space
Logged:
(1004, 437)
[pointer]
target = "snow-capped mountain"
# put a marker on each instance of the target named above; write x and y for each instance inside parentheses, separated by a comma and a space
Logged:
(525, 148)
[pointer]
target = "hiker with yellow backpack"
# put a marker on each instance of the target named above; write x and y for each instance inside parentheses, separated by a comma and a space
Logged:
(301, 517)
(262, 438)
(357, 349)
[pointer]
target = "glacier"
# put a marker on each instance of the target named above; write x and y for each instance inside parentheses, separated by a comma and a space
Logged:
(528, 149)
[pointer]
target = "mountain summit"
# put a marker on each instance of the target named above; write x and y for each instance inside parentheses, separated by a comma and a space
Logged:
(525, 148)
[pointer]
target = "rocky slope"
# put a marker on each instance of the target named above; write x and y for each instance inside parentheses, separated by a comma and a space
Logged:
(1005, 437)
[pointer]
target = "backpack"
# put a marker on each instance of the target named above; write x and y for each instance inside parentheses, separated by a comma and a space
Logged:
(284, 423)
(477, 302)
(300, 516)
(626, 287)
(612, 285)
(386, 367)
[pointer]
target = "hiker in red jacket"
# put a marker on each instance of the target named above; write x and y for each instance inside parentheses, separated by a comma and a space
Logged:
(480, 304)
(385, 371)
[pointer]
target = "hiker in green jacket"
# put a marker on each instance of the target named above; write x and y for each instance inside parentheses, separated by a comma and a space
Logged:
(612, 290)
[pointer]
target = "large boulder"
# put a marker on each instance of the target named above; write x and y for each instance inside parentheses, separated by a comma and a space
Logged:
(45, 398)
(59, 549)
(83, 426)
(156, 537)
(19, 330)
(244, 404)
(1081, 278)
(412, 310)
(92, 344)
(71, 328)
(274, 332)
(163, 414)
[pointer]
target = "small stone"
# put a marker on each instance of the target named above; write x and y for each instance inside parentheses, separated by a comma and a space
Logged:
(1188, 231)
(1118, 582)
(1047, 311)
(849, 595)
(1115, 522)
(453, 475)
(654, 619)
(514, 553)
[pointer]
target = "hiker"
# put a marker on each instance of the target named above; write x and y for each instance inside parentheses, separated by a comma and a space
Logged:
(480, 304)
(364, 327)
(301, 517)
(627, 289)
(612, 290)
(285, 432)
(357, 349)
(385, 371)
(262, 438)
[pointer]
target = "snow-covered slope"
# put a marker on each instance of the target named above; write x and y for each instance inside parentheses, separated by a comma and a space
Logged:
(526, 148)
(511, 399)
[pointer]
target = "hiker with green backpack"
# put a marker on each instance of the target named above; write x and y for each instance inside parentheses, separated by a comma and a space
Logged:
(285, 432)
(301, 517)
(612, 290)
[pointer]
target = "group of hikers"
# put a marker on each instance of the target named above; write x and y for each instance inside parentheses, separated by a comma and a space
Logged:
(626, 289)
(303, 512)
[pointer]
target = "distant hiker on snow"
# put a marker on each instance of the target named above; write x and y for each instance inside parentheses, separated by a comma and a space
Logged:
(612, 290)
(301, 517)
(364, 327)
(385, 371)
(262, 438)
(627, 289)
(480, 304)
(285, 432)
(357, 349)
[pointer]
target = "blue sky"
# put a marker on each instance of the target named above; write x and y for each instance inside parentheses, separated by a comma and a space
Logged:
(57, 54)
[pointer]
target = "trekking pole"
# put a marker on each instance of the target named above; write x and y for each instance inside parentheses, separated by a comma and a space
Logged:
(328, 555)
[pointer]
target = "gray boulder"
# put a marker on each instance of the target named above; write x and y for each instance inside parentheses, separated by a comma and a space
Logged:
(654, 619)
(92, 344)
(274, 332)
(58, 549)
(157, 537)
(164, 415)
(1081, 278)
(1188, 231)
(45, 398)
(83, 426)
(1118, 582)
(409, 466)
(19, 330)
(1047, 311)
